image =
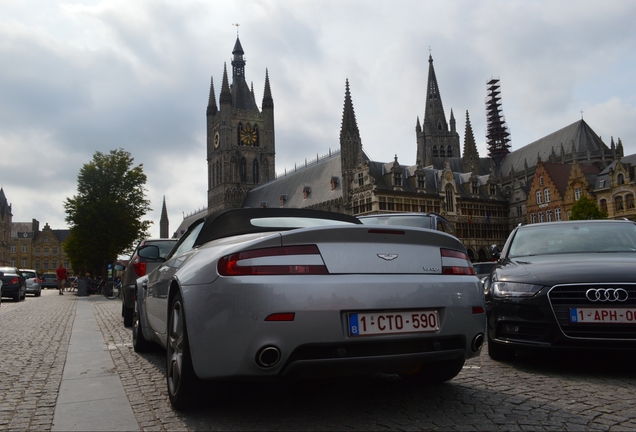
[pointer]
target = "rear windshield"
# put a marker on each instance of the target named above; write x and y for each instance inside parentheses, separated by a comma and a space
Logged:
(294, 222)
(28, 274)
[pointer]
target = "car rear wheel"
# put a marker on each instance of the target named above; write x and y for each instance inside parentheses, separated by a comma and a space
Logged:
(500, 352)
(140, 343)
(435, 372)
(38, 293)
(182, 381)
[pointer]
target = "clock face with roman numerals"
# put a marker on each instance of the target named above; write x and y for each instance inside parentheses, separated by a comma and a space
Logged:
(248, 135)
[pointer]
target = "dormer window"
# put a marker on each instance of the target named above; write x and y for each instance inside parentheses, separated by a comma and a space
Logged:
(397, 178)
(421, 182)
(493, 189)
(334, 182)
(620, 179)
(474, 188)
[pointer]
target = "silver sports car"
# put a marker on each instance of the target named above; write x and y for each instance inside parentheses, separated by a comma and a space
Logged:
(293, 294)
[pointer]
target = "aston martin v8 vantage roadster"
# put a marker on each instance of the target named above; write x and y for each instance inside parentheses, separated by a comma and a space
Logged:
(281, 294)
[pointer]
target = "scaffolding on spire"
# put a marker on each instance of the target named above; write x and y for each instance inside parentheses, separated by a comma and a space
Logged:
(497, 134)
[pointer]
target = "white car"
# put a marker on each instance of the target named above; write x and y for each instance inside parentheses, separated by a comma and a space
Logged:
(33, 282)
(287, 294)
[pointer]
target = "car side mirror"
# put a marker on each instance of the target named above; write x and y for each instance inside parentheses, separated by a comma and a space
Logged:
(150, 252)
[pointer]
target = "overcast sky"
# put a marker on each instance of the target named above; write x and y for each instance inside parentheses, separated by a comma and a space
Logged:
(78, 77)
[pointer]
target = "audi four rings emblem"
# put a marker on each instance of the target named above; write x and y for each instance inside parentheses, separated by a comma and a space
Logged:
(606, 294)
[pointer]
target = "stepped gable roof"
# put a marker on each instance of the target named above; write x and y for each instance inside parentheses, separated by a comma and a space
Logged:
(316, 175)
(579, 134)
(559, 173)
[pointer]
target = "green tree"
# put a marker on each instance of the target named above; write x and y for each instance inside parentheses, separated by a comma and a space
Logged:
(585, 208)
(105, 217)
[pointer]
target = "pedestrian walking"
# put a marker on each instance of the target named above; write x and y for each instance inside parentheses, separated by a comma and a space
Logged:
(62, 277)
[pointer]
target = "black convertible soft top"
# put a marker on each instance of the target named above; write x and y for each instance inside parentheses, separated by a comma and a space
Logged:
(231, 222)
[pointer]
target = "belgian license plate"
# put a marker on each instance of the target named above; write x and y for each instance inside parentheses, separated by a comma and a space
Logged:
(603, 315)
(386, 322)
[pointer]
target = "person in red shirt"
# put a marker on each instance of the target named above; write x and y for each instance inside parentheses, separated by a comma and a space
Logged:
(62, 276)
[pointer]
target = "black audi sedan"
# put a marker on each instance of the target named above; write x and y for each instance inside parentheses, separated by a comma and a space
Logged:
(564, 285)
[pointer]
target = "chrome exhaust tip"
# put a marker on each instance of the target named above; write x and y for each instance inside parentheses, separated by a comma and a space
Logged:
(268, 357)
(477, 342)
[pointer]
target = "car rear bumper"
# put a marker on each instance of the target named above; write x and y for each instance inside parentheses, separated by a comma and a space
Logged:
(228, 332)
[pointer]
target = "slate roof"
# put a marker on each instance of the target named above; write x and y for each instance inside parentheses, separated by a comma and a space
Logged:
(578, 134)
(317, 176)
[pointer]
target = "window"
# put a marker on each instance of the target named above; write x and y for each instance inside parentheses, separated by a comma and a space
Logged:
(569, 215)
(539, 197)
(442, 152)
(243, 170)
(474, 188)
(54, 251)
(421, 182)
(434, 151)
(601, 183)
(541, 181)
(629, 201)
(37, 264)
(546, 194)
(557, 214)
(360, 179)
(577, 194)
(24, 262)
(620, 179)
(397, 178)
(37, 251)
(603, 205)
(533, 218)
(519, 211)
(13, 249)
(46, 251)
(541, 217)
(493, 189)
(449, 199)
(449, 151)
(548, 215)
(255, 173)
(618, 203)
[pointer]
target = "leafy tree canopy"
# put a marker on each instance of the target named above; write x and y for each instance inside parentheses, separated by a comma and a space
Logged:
(105, 217)
(585, 208)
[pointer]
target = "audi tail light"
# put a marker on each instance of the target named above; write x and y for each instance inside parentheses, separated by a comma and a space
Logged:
(139, 267)
(285, 260)
(456, 263)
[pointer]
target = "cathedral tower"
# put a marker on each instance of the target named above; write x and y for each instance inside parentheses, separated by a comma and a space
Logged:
(434, 137)
(240, 137)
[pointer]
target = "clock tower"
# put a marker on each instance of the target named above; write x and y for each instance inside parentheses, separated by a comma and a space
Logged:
(240, 137)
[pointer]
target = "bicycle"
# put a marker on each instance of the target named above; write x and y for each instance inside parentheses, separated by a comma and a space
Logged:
(112, 289)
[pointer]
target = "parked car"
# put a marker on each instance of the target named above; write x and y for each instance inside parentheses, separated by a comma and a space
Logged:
(421, 220)
(564, 285)
(49, 280)
(275, 294)
(138, 267)
(32, 279)
(13, 284)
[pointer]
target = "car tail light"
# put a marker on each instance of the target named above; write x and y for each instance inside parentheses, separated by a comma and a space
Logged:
(286, 260)
(139, 267)
(289, 316)
(459, 268)
(14, 281)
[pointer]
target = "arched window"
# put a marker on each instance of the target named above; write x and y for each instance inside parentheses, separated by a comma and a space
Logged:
(255, 176)
(434, 151)
(620, 179)
(602, 204)
(243, 170)
(618, 203)
(450, 207)
(449, 151)
(539, 197)
(442, 152)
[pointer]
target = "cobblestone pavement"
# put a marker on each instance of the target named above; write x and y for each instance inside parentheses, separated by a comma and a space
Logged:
(533, 393)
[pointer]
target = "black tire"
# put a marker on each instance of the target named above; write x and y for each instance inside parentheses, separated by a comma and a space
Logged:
(128, 314)
(37, 294)
(183, 384)
(435, 372)
(140, 343)
(500, 352)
